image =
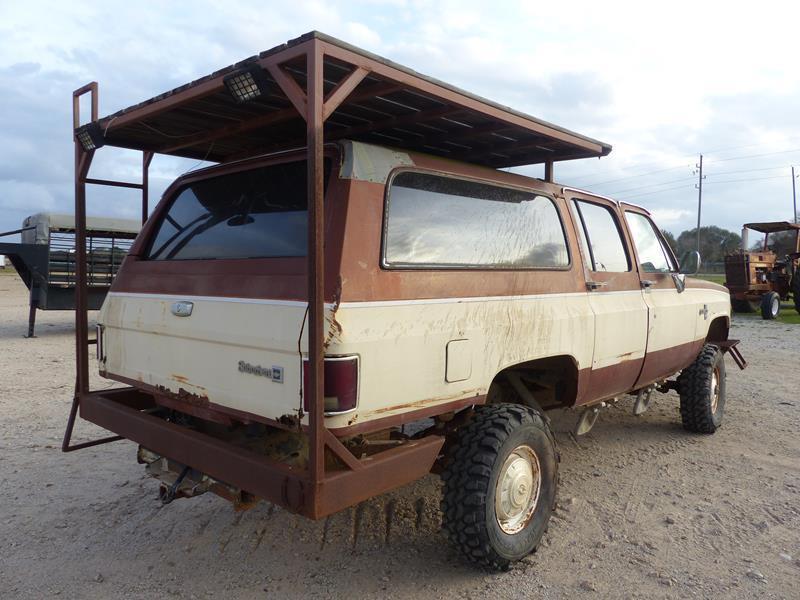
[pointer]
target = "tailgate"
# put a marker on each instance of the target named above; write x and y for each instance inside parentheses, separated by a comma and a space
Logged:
(242, 354)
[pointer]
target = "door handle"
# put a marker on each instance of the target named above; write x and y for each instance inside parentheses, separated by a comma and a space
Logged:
(182, 308)
(593, 285)
(646, 283)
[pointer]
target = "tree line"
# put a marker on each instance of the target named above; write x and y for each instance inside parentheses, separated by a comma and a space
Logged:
(716, 242)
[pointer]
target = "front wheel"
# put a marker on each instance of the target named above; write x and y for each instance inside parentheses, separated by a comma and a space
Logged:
(770, 305)
(500, 482)
(702, 390)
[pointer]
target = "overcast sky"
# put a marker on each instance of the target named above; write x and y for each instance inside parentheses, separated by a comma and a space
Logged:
(661, 83)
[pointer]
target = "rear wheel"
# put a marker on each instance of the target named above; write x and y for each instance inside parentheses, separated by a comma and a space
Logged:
(500, 484)
(770, 305)
(742, 306)
(796, 289)
(702, 391)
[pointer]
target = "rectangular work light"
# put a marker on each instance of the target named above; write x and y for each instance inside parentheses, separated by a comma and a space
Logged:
(247, 84)
(90, 136)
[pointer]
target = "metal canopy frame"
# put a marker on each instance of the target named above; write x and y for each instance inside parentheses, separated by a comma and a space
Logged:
(320, 89)
(770, 227)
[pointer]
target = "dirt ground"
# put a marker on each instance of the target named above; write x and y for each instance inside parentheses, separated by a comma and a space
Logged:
(646, 511)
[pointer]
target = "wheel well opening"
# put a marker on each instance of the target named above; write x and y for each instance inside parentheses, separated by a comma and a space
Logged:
(545, 383)
(718, 330)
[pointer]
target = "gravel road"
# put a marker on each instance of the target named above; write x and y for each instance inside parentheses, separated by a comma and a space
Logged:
(646, 509)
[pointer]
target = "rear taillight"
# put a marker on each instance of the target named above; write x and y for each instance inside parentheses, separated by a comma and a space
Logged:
(341, 384)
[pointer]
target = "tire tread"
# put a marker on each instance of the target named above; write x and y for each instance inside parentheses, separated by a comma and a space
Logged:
(694, 382)
(468, 472)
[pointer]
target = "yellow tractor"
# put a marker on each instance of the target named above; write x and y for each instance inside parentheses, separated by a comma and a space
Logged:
(761, 279)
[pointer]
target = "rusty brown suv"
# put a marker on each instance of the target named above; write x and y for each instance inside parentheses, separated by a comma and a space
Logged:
(316, 326)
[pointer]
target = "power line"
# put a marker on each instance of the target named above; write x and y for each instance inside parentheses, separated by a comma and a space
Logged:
(731, 158)
(650, 185)
(634, 176)
(748, 179)
(744, 146)
(747, 170)
(755, 155)
(642, 187)
(677, 187)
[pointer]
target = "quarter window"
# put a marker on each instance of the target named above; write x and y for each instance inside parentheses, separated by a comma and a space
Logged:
(653, 257)
(601, 238)
(436, 221)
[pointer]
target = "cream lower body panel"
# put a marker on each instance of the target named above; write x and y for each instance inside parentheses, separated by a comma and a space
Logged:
(416, 354)
(678, 318)
(201, 353)
(412, 354)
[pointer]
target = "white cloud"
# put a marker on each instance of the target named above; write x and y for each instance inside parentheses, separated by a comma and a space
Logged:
(359, 34)
(660, 82)
(666, 217)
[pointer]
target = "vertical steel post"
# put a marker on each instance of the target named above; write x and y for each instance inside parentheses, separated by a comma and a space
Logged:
(83, 159)
(147, 158)
(548, 171)
(316, 264)
(699, 199)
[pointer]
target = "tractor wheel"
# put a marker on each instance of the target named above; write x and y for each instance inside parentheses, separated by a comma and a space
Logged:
(742, 306)
(770, 305)
(500, 480)
(796, 289)
(702, 389)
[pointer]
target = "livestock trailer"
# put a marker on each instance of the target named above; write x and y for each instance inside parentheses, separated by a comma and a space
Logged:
(46, 259)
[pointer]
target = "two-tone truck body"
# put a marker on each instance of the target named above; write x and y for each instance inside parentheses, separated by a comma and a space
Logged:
(357, 296)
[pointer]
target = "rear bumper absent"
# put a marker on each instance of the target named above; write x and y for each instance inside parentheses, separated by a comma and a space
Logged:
(125, 412)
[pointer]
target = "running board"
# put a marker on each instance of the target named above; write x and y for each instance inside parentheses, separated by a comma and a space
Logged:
(729, 346)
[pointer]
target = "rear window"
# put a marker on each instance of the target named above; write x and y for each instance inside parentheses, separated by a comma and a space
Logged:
(260, 213)
(434, 221)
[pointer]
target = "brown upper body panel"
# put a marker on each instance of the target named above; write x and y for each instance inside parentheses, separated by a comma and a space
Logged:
(354, 228)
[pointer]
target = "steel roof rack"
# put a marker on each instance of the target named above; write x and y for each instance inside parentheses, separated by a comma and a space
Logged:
(300, 95)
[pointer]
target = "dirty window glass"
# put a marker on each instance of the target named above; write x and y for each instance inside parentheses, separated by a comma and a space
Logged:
(604, 246)
(652, 257)
(258, 213)
(441, 221)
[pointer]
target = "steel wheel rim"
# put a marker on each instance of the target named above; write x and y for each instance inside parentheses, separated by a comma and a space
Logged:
(776, 306)
(714, 390)
(517, 491)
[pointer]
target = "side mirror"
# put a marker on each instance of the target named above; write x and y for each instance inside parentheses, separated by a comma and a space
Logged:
(690, 263)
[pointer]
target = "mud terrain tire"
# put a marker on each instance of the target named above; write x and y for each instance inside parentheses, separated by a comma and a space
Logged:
(500, 480)
(702, 391)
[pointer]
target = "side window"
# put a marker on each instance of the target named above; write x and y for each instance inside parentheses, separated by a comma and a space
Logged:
(434, 221)
(601, 238)
(652, 256)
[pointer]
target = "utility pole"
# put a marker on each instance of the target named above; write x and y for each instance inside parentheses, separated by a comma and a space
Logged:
(794, 199)
(699, 187)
